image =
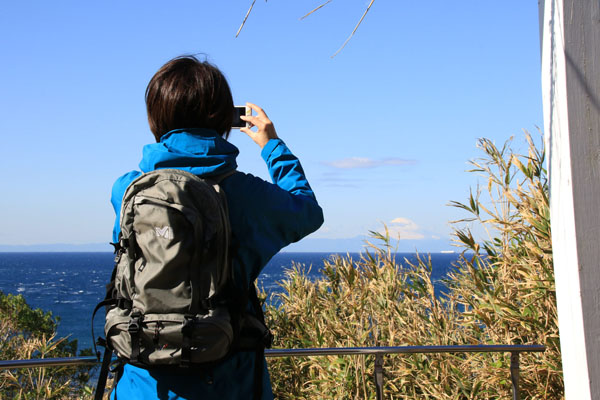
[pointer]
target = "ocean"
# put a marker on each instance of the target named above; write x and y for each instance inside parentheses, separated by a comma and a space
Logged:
(71, 284)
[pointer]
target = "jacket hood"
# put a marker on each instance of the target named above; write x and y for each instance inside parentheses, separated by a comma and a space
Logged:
(199, 151)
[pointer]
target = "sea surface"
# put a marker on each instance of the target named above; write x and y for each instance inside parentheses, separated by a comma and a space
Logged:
(71, 284)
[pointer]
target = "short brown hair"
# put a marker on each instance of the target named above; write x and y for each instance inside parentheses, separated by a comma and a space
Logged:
(187, 93)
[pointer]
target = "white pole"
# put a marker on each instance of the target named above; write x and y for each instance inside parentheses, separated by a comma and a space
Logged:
(571, 89)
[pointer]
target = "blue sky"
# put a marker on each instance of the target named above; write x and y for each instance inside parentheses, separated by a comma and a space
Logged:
(384, 130)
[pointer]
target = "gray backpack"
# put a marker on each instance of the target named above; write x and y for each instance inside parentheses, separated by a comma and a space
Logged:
(172, 299)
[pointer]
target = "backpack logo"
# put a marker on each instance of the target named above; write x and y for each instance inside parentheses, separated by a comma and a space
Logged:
(164, 232)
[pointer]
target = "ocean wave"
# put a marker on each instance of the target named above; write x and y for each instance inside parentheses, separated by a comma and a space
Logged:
(55, 282)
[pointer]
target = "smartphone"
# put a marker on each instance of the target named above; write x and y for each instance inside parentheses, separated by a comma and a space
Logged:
(237, 121)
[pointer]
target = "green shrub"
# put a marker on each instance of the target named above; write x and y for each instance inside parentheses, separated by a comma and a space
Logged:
(500, 292)
(27, 333)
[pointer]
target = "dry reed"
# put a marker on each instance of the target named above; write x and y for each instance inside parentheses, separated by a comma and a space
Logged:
(500, 292)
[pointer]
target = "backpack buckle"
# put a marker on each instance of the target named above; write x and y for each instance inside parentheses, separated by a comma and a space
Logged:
(120, 247)
(134, 323)
(134, 329)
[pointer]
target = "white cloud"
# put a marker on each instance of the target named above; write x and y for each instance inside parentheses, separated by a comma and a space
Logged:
(404, 228)
(364, 162)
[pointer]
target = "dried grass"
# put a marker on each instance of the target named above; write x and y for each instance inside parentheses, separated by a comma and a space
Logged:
(500, 292)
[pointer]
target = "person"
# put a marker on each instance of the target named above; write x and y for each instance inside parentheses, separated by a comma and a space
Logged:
(190, 112)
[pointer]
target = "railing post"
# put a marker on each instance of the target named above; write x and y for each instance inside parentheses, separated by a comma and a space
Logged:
(379, 376)
(514, 374)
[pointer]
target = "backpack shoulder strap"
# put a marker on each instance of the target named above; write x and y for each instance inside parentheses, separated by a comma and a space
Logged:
(101, 384)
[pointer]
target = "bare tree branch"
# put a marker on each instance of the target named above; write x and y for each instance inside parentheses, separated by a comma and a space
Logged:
(355, 28)
(316, 9)
(322, 5)
(245, 18)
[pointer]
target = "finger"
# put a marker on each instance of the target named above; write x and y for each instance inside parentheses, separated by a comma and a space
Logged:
(249, 125)
(259, 111)
(252, 120)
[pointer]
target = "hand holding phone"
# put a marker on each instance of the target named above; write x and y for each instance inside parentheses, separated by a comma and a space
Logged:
(265, 129)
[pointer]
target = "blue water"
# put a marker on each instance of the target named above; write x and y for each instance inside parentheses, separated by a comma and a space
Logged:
(71, 284)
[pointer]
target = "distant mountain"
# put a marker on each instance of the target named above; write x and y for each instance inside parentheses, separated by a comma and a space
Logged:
(351, 245)
(357, 244)
(57, 247)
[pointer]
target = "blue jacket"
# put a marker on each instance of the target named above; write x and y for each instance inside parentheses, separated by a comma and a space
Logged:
(264, 218)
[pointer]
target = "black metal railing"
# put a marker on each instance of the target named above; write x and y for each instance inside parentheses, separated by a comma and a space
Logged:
(378, 352)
